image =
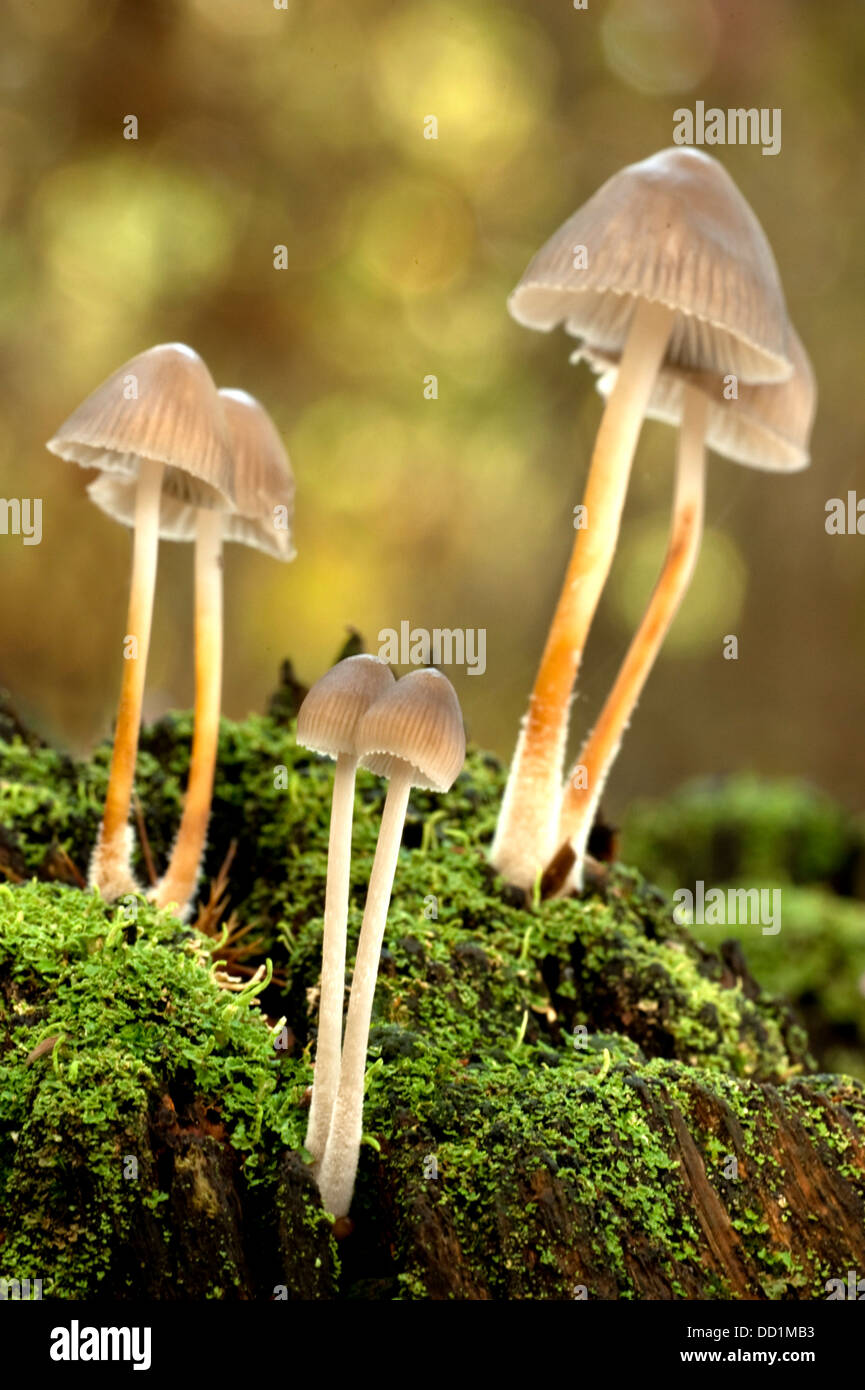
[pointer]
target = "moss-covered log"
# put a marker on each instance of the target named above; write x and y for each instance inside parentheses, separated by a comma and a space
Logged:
(573, 1100)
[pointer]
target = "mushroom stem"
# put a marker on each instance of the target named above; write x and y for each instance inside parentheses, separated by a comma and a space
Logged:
(110, 867)
(525, 835)
(181, 876)
(339, 1165)
(601, 748)
(332, 996)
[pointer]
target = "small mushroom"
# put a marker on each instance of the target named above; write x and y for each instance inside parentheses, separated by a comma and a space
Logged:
(327, 723)
(157, 426)
(263, 491)
(414, 736)
(665, 264)
(766, 427)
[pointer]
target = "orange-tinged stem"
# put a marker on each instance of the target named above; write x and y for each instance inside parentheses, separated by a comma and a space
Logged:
(528, 822)
(110, 867)
(587, 778)
(181, 877)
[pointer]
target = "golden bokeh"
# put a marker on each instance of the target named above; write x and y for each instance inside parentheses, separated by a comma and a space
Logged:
(439, 448)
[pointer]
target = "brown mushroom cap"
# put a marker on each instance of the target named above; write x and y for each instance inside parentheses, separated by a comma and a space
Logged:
(262, 481)
(418, 725)
(171, 415)
(766, 427)
(675, 230)
(330, 716)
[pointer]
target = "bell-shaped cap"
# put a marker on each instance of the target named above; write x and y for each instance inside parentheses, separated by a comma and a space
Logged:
(263, 483)
(161, 405)
(330, 716)
(766, 427)
(675, 230)
(419, 725)
(263, 480)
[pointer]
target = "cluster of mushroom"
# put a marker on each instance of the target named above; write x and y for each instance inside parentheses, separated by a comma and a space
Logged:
(668, 280)
(411, 732)
(182, 461)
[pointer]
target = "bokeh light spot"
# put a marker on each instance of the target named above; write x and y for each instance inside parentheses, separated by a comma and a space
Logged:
(483, 73)
(713, 604)
(415, 236)
(660, 46)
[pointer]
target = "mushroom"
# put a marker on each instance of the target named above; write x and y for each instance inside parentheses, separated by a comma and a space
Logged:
(157, 426)
(414, 736)
(666, 263)
(327, 723)
(766, 427)
(263, 487)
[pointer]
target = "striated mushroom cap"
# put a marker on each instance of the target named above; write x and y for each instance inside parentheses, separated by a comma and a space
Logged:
(262, 483)
(329, 718)
(417, 724)
(161, 405)
(675, 230)
(766, 427)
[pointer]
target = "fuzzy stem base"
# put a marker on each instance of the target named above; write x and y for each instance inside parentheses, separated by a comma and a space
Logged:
(596, 758)
(526, 832)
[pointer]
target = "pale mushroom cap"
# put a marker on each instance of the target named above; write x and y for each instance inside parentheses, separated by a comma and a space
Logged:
(114, 494)
(161, 405)
(330, 716)
(674, 230)
(263, 480)
(767, 427)
(417, 724)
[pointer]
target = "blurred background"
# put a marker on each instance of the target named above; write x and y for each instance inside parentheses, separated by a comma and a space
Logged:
(303, 127)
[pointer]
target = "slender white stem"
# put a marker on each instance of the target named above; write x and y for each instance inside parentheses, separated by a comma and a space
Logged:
(599, 751)
(110, 866)
(181, 877)
(339, 1165)
(330, 1006)
(526, 832)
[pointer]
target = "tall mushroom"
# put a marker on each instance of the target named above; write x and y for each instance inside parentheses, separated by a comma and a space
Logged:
(414, 736)
(263, 489)
(766, 427)
(328, 723)
(157, 425)
(665, 264)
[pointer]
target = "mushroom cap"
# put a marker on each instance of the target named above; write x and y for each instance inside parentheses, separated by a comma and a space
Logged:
(766, 427)
(175, 418)
(675, 230)
(417, 724)
(330, 715)
(262, 480)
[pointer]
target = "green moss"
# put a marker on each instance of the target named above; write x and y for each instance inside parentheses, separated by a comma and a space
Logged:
(592, 1134)
(817, 961)
(273, 800)
(723, 830)
(539, 1057)
(743, 832)
(135, 1013)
